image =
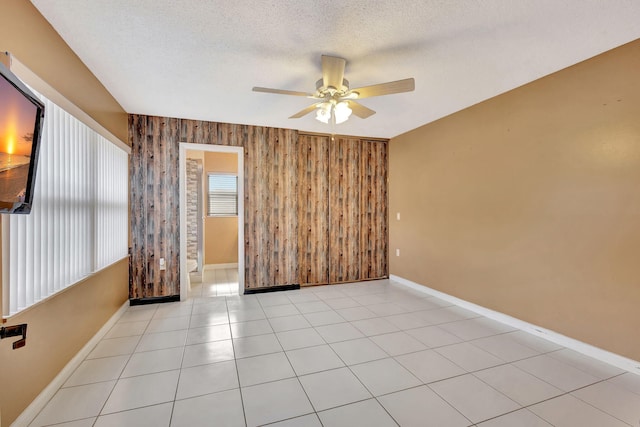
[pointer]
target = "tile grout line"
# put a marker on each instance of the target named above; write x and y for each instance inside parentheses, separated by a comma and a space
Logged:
(184, 346)
(298, 377)
(564, 393)
(123, 368)
(373, 396)
(235, 363)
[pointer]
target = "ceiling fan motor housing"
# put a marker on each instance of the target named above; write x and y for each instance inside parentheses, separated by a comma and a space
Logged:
(323, 91)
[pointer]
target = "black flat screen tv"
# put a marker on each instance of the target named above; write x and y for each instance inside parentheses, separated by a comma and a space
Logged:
(21, 119)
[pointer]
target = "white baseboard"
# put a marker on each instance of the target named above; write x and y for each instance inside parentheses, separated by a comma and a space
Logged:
(32, 411)
(579, 346)
(219, 266)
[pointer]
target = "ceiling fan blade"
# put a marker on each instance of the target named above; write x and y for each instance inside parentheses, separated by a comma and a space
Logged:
(305, 111)
(360, 110)
(333, 71)
(282, 91)
(399, 86)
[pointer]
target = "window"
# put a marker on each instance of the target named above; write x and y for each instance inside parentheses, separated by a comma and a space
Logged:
(223, 194)
(79, 220)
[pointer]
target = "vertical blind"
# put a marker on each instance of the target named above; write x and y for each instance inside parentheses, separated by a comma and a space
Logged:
(111, 210)
(223, 194)
(78, 222)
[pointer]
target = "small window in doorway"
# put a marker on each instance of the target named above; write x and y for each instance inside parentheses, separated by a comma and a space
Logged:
(223, 194)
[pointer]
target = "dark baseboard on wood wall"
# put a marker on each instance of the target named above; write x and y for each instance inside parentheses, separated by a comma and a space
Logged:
(271, 289)
(154, 300)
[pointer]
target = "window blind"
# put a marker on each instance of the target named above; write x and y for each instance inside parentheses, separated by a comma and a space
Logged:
(78, 222)
(223, 194)
(111, 203)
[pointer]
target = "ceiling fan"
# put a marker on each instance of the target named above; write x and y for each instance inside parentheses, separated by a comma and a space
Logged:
(336, 101)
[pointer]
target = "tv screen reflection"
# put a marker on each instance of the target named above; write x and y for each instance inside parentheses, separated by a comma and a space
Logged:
(17, 118)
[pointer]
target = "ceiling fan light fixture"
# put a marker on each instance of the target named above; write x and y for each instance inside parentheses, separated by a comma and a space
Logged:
(323, 113)
(342, 112)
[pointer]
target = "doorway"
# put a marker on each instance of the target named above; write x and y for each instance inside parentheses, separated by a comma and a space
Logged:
(208, 148)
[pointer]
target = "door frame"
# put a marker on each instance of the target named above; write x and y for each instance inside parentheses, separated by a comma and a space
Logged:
(182, 159)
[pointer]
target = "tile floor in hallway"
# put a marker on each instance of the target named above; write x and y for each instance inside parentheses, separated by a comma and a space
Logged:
(214, 283)
(366, 354)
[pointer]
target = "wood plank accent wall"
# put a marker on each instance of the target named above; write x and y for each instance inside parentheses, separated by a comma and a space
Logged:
(315, 209)
(154, 207)
(358, 237)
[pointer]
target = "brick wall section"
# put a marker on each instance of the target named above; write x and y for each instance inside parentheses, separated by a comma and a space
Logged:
(192, 208)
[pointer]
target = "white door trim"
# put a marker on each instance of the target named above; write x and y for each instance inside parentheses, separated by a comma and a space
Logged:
(184, 146)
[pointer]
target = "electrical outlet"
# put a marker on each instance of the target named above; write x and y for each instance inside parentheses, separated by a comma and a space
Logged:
(398, 216)
(163, 265)
(397, 252)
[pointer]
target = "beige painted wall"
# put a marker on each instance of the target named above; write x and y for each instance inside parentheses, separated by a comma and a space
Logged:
(196, 155)
(30, 38)
(57, 330)
(220, 233)
(529, 203)
(221, 162)
(56, 333)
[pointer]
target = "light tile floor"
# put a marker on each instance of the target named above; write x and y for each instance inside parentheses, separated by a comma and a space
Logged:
(365, 354)
(214, 283)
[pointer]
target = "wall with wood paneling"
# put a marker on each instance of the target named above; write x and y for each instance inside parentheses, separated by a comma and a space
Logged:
(314, 213)
(342, 209)
(153, 203)
(374, 234)
(357, 210)
(313, 209)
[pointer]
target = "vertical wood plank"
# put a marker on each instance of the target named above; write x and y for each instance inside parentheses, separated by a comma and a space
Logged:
(159, 200)
(138, 133)
(344, 210)
(368, 193)
(301, 208)
(353, 229)
(373, 241)
(244, 142)
(252, 206)
(172, 207)
(289, 230)
(149, 287)
(265, 196)
(313, 209)
(382, 209)
(275, 175)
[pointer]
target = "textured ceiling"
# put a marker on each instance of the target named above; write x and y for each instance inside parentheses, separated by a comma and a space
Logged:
(199, 59)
